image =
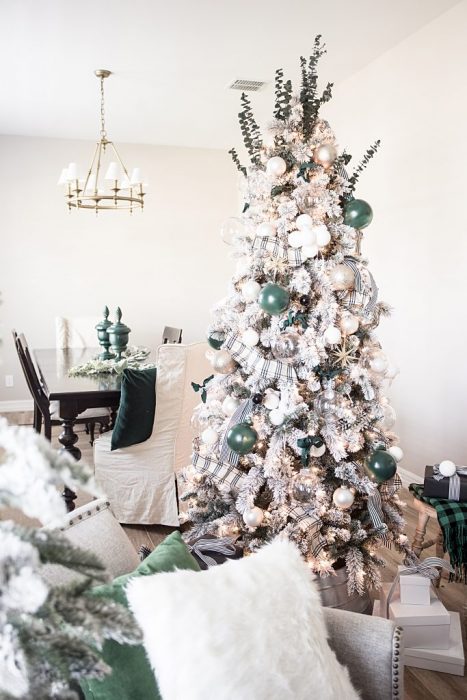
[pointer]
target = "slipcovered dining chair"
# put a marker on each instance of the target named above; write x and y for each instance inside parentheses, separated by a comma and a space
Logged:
(140, 481)
(172, 335)
(47, 412)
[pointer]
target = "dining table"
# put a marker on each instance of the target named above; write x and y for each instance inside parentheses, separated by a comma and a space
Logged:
(75, 394)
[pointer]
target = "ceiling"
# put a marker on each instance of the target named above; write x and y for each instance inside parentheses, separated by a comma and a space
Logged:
(172, 60)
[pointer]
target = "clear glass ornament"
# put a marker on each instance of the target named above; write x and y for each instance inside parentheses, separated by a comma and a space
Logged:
(303, 486)
(286, 346)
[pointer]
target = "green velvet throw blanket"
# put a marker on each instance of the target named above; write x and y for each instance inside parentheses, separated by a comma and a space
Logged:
(452, 519)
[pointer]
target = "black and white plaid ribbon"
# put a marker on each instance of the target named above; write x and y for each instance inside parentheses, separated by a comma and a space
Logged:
(375, 503)
(238, 416)
(352, 296)
(220, 471)
(454, 481)
(277, 250)
(306, 520)
(426, 568)
(252, 360)
(221, 545)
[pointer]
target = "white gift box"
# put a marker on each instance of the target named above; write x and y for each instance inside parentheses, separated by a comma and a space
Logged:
(425, 626)
(449, 660)
(414, 589)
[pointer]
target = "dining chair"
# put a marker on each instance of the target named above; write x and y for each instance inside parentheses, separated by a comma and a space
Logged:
(48, 412)
(171, 335)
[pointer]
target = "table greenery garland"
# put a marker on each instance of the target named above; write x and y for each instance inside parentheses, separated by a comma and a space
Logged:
(135, 358)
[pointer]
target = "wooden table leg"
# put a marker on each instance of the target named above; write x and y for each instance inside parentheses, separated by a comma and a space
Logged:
(417, 544)
(68, 440)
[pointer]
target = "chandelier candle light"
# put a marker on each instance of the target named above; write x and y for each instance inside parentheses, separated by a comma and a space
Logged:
(118, 191)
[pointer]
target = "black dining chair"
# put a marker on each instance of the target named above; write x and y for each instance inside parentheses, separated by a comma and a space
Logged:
(44, 410)
(171, 335)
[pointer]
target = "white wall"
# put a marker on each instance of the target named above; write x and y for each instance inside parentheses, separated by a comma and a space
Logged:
(166, 266)
(414, 98)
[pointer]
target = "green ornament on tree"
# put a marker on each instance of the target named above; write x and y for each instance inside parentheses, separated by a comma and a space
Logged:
(216, 339)
(273, 299)
(357, 213)
(381, 466)
(241, 438)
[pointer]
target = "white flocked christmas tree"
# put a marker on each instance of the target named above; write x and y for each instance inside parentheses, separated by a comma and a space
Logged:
(294, 429)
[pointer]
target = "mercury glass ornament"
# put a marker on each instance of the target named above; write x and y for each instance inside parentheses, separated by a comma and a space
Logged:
(253, 517)
(342, 277)
(325, 154)
(302, 486)
(216, 339)
(273, 299)
(266, 230)
(286, 346)
(223, 362)
(251, 290)
(241, 438)
(343, 497)
(357, 213)
(231, 230)
(276, 166)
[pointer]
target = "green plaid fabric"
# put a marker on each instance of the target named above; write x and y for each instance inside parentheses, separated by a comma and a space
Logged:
(452, 518)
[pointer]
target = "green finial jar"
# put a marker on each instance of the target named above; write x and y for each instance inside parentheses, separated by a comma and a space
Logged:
(103, 335)
(118, 335)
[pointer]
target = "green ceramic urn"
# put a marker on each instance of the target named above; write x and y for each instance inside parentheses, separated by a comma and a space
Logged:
(103, 335)
(118, 335)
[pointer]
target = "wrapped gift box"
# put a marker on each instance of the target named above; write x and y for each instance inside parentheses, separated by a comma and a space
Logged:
(414, 589)
(434, 488)
(450, 660)
(425, 626)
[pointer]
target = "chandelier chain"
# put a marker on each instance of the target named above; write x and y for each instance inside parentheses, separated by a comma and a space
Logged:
(103, 131)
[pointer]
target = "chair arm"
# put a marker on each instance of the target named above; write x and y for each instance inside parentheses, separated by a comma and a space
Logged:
(371, 648)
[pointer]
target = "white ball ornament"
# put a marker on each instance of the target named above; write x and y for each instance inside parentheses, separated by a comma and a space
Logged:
(276, 166)
(271, 399)
(308, 237)
(253, 517)
(230, 405)
(396, 452)
(209, 436)
(332, 335)
(379, 363)
(310, 251)
(325, 154)
(266, 230)
(276, 417)
(343, 497)
(251, 290)
(323, 237)
(342, 277)
(250, 338)
(223, 362)
(304, 221)
(392, 371)
(317, 451)
(447, 468)
(349, 324)
(295, 239)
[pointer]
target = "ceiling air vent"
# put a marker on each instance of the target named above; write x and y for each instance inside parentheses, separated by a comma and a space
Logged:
(247, 85)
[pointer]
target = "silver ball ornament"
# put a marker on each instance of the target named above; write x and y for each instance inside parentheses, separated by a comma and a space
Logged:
(253, 516)
(325, 155)
(343, 497)
(349, 324)
(342, 277)
(223, 362)
(286, 346)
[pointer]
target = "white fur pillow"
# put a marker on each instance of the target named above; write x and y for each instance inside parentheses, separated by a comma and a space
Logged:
(251, 629)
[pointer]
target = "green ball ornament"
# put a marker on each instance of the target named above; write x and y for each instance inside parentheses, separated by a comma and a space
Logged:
(273, 299)
(241, 438)
(381, 466)
(216, 339)
(357, 213)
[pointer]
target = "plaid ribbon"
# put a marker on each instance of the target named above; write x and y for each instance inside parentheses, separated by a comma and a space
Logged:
(454, 481)
(221, 545)
(375, 504)
(239, 415)
(277, 250)
(452, 519)
(252, 360)
(219, 471)
(351, 296)
(426, 568)
(306, 520)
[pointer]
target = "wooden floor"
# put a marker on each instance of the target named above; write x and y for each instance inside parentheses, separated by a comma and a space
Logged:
(419, 684)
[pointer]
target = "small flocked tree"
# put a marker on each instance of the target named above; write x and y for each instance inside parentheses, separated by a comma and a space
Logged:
(49, 637)
(294, 428)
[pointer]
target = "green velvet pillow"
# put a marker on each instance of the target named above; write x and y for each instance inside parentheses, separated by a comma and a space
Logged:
(132, 677)
(135, 417)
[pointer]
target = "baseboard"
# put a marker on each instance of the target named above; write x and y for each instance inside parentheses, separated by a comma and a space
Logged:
(409, 477)
(16, 406)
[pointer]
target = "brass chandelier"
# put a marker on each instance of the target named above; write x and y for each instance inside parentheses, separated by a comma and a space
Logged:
(113, 190)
